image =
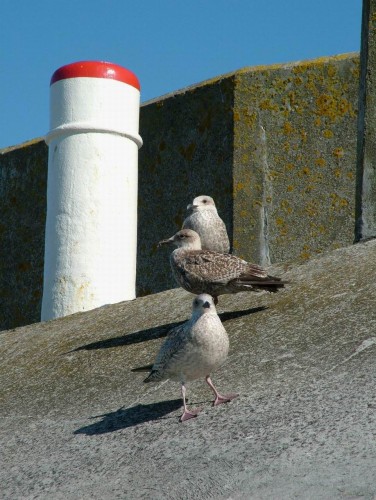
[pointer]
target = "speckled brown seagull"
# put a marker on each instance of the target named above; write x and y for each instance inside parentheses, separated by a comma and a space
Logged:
(204, 219)
(203, 271)
(193, 350)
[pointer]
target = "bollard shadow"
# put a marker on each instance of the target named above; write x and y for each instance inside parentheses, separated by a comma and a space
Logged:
(157, 332)
(129, 417)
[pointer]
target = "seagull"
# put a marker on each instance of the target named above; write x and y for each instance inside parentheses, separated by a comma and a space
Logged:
(202, 271)
(204, 219)
(191, 351)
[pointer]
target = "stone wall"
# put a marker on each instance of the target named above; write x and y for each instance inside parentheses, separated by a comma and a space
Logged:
(275, 146)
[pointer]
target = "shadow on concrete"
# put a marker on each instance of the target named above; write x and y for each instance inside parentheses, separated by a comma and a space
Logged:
(157, 332)
(123, 418)
(131, 338)
(227, 316)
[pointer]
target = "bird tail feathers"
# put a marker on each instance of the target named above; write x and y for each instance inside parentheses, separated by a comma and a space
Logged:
(146, 368)
(268, 283)
(154, 375)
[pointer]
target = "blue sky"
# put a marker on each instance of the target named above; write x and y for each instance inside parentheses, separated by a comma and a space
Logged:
(169, 44)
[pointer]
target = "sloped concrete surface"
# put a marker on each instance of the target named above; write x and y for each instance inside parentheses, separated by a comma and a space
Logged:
(77, 423)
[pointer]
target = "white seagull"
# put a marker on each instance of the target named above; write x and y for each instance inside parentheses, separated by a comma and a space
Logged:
(193, 350)
(204, 219)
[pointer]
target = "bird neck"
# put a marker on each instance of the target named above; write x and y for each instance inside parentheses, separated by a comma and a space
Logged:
(199, 315)
(194, 245)
(209, 208)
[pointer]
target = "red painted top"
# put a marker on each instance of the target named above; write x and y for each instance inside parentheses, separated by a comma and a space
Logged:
(96, 69)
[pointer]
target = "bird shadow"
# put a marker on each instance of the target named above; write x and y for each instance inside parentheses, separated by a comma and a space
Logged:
(227, 316)
(157, 332)
(129, 417)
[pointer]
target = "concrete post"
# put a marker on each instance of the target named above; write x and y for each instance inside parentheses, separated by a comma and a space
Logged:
(91, 228)
(365, 226)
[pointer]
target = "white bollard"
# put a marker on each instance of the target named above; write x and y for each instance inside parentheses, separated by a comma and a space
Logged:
(91, 227)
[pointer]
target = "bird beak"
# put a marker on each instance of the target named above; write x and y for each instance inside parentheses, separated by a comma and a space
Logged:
(206, 305)
(191, 207)
(165, 242)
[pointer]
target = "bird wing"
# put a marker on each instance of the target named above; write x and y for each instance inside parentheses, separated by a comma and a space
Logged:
(216, 267)
(188, 223)
(223, 237)
(215, 237)
(169, 351)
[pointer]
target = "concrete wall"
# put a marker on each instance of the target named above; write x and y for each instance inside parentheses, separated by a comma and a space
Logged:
(365, 207)
(275, 146)
(295, 134)
(23, 174)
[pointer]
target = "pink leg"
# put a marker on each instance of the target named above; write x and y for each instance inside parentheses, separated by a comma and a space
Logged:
(188, 414)
(218, 398)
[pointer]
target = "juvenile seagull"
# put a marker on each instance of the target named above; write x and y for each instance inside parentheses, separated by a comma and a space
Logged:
(204, 219)
(203, 271)
(191, 351)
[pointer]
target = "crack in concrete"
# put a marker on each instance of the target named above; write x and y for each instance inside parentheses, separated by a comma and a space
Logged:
(366, 344)
(267, 194)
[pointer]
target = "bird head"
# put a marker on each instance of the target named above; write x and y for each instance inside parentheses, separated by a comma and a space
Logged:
(203, 304)
(202, 202)
(186, 238)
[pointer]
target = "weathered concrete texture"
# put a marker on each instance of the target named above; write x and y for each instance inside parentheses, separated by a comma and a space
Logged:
(275, 146)
(294, 158)
(77, 423)
(23, 174)
(366, 161)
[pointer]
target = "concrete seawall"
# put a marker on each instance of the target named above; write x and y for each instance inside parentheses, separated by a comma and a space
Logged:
(275, 146)
(23, 192)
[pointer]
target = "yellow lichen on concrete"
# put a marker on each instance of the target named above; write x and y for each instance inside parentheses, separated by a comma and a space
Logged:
(298, 144)
(338, 152)
(328, 134)
(321, 162)
(287, 128)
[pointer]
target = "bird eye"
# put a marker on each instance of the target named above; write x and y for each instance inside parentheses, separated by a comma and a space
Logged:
(205, 201)
(181, 235)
